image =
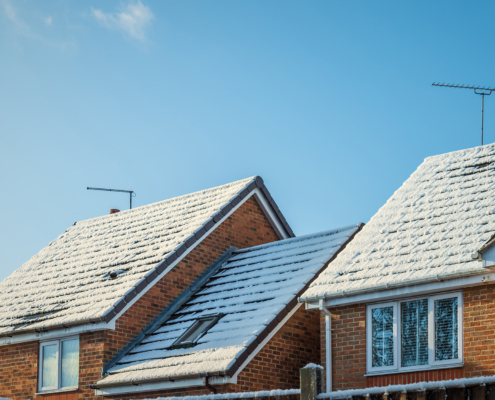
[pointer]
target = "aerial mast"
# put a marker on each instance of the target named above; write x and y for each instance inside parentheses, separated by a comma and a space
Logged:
(131, 193)
(482, 91)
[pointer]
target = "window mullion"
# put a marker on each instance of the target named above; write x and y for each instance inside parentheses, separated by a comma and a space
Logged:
(397, 335)
(59, 362)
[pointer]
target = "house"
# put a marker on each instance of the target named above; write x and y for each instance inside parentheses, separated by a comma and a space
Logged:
(78, 302)
(238, 329)
(412, 298)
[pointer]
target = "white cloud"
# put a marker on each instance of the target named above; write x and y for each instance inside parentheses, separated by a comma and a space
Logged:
(23, 29)
(12, 14)
(133, 21)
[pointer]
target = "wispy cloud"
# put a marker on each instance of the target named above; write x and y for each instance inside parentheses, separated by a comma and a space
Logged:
(132, 21)
(11, 14)
(23, 29)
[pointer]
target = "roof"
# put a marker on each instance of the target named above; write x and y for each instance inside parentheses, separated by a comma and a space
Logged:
(254, 289)
(427, 230)
(68, 281)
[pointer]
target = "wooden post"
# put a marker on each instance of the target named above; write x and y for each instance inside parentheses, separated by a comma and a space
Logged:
(311, 380)
(385, 396)
(438, 394)
(421, 395)
(456, 393)
(403, 396)
(479, 392)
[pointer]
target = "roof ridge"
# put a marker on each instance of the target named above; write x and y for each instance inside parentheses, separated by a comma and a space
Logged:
(125, 212)
(469, 150)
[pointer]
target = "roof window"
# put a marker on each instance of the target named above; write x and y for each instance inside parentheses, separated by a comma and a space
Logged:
(197, 330)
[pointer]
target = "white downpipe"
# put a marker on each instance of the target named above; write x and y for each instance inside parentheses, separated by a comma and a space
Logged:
(328, 345)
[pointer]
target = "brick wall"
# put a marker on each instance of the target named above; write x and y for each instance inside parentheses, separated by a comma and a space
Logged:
(349, 345)
(276, 366)
(246, 227)
(19, 370)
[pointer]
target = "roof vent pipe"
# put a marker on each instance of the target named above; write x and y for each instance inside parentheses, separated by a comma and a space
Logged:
(114, 211)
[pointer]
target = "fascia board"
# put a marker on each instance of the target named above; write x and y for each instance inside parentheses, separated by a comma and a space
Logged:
(57, 333)
(271, 215)
(407, 291)
(149, 387)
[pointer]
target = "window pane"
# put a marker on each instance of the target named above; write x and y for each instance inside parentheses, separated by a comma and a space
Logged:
(50, 365)
(70, 362)
(382, 342)
(414, 333)
(197, 330)
(446, 329)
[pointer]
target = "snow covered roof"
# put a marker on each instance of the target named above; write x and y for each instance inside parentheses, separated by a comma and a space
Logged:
(253, 289)
(68, 282)
(428, 229)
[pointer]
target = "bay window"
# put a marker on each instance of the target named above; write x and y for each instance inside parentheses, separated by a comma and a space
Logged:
(414, 334)
(59, 364)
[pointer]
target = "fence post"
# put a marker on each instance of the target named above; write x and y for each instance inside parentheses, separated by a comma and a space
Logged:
(311, 380)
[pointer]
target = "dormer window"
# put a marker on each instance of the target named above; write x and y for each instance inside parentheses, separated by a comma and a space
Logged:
(196, 330)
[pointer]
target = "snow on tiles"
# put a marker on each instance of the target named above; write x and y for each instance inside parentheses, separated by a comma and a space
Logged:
(429, 228)
(248, 290)
(68, 281)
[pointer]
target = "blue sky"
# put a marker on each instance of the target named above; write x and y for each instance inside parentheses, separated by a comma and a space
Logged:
(329, 101)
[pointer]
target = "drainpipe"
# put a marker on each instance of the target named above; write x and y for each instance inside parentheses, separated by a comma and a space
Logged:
(328, 344)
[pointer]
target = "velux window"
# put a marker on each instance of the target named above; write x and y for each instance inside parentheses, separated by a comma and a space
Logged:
(59, 364)
(415, 334)
(196, 331)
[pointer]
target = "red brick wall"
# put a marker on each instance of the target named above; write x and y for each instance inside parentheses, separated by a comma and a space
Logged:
(349, 345)
(246, 227)
(19, 370)
(276, 366)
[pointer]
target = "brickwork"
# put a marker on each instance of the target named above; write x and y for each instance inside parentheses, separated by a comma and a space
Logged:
(19, 370)
(246, 227)
(349, 345)
(276, 366)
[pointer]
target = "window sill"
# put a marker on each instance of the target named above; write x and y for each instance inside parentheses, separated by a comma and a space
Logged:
(423, 368)
(71, 389)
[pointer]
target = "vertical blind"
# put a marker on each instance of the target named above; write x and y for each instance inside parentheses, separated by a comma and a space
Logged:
(414, 332)
(382, 330)
(446, 329)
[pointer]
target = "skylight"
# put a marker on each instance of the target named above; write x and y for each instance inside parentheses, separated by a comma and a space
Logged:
(197, 330)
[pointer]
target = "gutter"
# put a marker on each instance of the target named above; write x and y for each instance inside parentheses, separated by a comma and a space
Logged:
(154, 380)
(389, 286)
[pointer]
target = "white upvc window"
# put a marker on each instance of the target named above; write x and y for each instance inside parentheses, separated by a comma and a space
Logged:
(414, 334)
(59, 364)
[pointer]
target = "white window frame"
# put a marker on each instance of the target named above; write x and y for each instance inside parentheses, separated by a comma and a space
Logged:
(432, 364)
(57, 342)
(431, 332)
(369, 337)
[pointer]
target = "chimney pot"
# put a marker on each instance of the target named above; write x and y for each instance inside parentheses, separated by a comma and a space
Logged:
(114, 210)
